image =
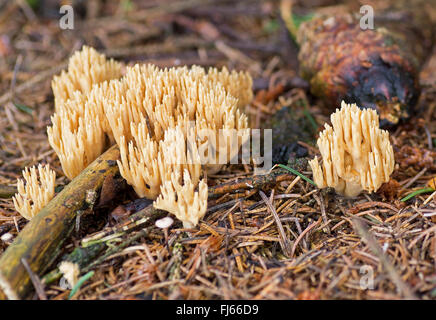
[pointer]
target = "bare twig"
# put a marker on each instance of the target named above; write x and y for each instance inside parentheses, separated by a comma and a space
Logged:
(297, 241)
(320, 201)
(39, 288)
(255, 182)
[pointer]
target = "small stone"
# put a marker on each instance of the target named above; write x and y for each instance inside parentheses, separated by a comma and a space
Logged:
(6, 237)
(164, 223)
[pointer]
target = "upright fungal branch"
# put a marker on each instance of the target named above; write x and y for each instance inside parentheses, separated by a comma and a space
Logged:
(77, 140)
(145, 92)
(79, 125)
(146, 163)
(237, 84)
(356, 153)
(85, 68)
(36, 192)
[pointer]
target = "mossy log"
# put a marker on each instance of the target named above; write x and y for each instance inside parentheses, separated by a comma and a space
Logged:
(87, 257)
(41, 241)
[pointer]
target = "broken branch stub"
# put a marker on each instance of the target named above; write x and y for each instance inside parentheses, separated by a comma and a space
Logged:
(41, 240)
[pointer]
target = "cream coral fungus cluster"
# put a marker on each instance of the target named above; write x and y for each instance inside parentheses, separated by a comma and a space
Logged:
(79, 125)
(356, 153)
(146, 163)
(158, 117)
(77, 138)
(35, 191)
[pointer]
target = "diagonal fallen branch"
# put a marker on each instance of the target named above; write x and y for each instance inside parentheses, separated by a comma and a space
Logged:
(41, 240)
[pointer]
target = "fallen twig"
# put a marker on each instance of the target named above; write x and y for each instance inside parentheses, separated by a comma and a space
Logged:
(35, 280)
(310, 227)
(284, 241)
(255, 182)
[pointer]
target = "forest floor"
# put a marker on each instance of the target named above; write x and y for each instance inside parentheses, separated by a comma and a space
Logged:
(323, 246)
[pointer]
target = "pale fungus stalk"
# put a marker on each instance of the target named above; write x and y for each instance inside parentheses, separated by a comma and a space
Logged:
(164, 224)
(356, 153)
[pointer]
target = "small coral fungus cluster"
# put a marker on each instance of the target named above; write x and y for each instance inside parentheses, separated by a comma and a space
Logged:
(156, 116)
(36, 193)
(357, 154)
